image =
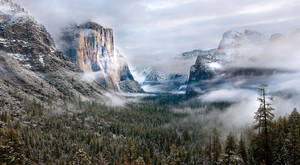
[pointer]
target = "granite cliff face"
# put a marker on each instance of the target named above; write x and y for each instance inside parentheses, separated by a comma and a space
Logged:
(213, 68)
(91, 46)
(31, 67)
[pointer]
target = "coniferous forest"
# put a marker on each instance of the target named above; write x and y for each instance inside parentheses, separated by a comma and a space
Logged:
(140, 82)
(142, 134)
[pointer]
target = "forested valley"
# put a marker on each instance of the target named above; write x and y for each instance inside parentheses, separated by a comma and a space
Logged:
(144, 133)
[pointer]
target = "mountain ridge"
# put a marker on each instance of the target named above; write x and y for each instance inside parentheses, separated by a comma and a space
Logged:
(33, 68)
(214, 69)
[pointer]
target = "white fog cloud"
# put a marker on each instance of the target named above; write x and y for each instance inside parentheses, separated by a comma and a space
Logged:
(155, 30)
(228, 95)
(152, 32)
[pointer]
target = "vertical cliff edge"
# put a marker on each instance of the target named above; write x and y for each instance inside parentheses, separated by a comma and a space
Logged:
(91, 46)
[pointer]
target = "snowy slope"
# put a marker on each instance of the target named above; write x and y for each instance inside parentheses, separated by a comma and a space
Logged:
(156, 81)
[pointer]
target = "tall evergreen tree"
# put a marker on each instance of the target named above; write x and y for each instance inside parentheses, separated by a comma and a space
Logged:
(81, 158)
(174, 157)
(280, 142)
(264, 123)
(140, 161)
(213, 148)
(131, 152)
(294, 138)
(208, 151)
(216, 147)
(242, 150)
(231, 148)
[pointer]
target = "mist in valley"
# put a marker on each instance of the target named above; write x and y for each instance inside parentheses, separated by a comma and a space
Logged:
(139, 82)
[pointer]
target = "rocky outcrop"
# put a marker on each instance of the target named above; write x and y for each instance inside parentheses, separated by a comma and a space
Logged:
(91, 46)
(200, 75)
(195, 53)
(21, 34)
(213, 69)
(30, 65)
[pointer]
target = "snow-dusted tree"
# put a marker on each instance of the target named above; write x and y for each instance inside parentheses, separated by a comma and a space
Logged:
(264, 124)
(11, 147)
(174, 157)
(242, 150)
(280, 152)
(130, 153)
(213, 148)
(140, 161)
(81, 158)
(294, 138)
(231, 156)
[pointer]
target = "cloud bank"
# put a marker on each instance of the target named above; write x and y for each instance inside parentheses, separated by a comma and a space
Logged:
(148, 31)
(282, 54)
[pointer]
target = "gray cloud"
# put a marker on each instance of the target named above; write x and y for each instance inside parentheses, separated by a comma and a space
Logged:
(159, 29)
(284, 54)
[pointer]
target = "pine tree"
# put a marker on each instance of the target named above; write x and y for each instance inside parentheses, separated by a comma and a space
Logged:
(56, 152)
(186, 135)
(231, 156)
(208, 151)
(11, 148)
(217, 147)
(213, 149)
(174, 157)
(130, 153)
(140, 161)
(100, 159)
(4, 117)
(294, 138)
(242, 150)
(280, 142)
(148, 156)
(264, 119)
(81, 158)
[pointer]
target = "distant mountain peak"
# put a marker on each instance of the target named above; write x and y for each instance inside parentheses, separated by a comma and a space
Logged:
(93, 25)
(13, 11)
(213, 69)
(21, 34)
(233, 39)
(10, 7)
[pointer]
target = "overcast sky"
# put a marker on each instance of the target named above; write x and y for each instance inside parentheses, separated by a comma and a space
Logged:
(154, 29)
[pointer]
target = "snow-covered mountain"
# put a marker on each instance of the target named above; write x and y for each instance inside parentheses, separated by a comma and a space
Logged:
(31, 67)
(156, 81)
(152, 74)
(217, 66)
(23, 37)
